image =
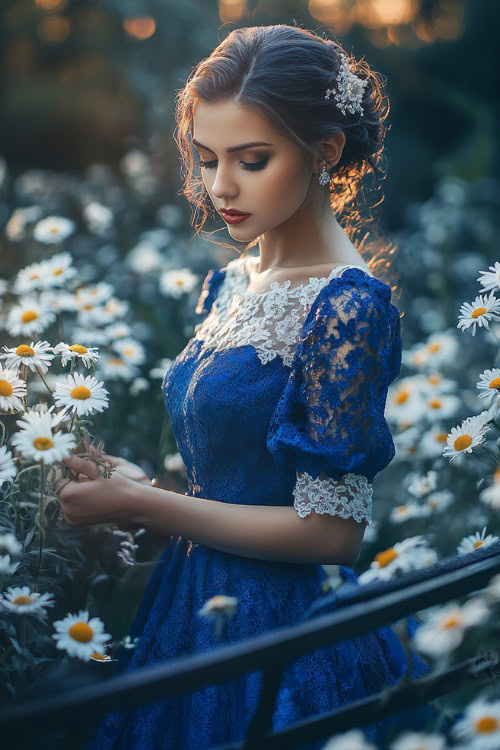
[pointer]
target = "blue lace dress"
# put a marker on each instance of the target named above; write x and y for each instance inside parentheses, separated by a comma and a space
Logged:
(278, 399)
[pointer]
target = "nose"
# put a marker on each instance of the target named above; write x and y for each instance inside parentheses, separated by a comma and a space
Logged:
(223, 185)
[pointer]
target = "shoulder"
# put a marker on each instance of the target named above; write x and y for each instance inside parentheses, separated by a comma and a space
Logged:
(209, 289)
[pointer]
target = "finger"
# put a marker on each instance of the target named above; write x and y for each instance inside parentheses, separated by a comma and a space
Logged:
(82, 466)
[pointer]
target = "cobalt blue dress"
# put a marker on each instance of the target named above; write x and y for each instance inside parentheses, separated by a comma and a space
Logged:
(278, 399)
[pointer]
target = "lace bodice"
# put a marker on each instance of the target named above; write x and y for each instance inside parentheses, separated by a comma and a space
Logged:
(281, 394)
(270, 321)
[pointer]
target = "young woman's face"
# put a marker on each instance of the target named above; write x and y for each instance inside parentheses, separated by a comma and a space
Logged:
(270, 182)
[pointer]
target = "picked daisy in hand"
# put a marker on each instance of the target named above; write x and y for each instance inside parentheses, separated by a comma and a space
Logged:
(79, 636)
(22, 601)
(483, 308)
(12, 390)
(37, 440)
(53, 229)
(475, 541)
(463, 439)
(88, 355)
(28, 317)
(33, 356)
(410, 554)
(7, 466)
(84, 394)
(219, 605)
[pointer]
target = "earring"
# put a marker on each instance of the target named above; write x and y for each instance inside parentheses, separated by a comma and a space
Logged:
(324, 177)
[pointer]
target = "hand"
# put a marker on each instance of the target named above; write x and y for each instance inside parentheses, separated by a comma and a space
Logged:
(92, 499)
(127, 468)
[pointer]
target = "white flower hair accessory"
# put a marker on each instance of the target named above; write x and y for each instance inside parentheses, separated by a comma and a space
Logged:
(350, 89)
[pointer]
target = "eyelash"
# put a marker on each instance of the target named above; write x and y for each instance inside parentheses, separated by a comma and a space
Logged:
(251, 167)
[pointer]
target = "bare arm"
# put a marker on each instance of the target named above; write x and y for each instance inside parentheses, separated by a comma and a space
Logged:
(258, 531)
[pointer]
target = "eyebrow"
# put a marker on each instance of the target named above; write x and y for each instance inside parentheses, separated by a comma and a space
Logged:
(234, 148)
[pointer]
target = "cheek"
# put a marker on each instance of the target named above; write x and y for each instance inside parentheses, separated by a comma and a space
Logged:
(284, 187)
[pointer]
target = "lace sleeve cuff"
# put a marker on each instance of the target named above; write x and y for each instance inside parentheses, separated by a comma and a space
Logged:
(348, 497)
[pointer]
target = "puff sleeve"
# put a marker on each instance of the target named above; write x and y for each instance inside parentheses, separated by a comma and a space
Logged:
(329, 423)
(209, 289)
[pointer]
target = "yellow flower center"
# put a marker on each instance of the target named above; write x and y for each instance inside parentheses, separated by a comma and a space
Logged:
(441, 437)
(28, 316)
(88, 307)
(402, 509)
(451, 622)
(477, 544)
(115, 361)
(81, 632)
(496, 475)
(434, 379)
(42, 443)
(435, 403)
(22, 600)
(128, 351)
(54, 230)
(97, 655)
(5, 388)
(462, 442)
(81, 392)
(402, 397)
(478, 311)
(34, 276)
(486, 724)
(25, 351)
(386, 557)
(79, 349)
(435, 347)
(179, 282)
(58, 271)
(495, 383)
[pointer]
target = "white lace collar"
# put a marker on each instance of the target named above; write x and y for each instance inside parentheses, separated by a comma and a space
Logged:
(269, 321)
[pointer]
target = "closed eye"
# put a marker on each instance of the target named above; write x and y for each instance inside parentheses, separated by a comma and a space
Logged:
(251, 166)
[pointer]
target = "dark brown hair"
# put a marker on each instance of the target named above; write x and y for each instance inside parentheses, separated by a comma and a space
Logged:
(284, 72)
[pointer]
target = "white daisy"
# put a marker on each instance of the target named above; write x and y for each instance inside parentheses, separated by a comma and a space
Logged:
(90, 336)
(83, 393)
(175, 282)
(6, 567)
(115, 308)
(475, 541)
(352, 740)
(33, 356)
(118, 330)
(480, 726)
(29, 279)
(405, 400)
(440, 405)
(491, 495)
(161, 368)
(395, 560)
(99, 218)
(79, 636)
(12, 390)
(115, 367)
(130, 350)
(7, 466)
(445, 626)
(58, 300)
(421, 484)
(22, 600)
(492, 591)
(410, 510)
(53, 229)
(145, 258)
(37, 440)
(219, 605)
(479, 312)
(138, 385)
(95, 294)
(28, 317)
(9, 543)
(489, 382)
(491, 278)
(432, 442)
(466, 437)
(15, 229)
(419, 741)
(438, 501)
(69, 352)
(440, 349)
(59, 270)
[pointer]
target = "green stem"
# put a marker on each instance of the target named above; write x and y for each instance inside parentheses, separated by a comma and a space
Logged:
(481, 459)
(495, 458)
(40, 519)
(45, 382)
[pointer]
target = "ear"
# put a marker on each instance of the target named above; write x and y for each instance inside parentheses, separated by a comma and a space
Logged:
(332, 148)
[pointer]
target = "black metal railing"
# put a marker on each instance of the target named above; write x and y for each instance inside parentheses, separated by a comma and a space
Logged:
(335, 617)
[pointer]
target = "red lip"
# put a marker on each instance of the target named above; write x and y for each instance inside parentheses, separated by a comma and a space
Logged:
(233, 212)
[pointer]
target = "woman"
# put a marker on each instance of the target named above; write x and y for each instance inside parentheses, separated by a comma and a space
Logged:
(277, 402)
